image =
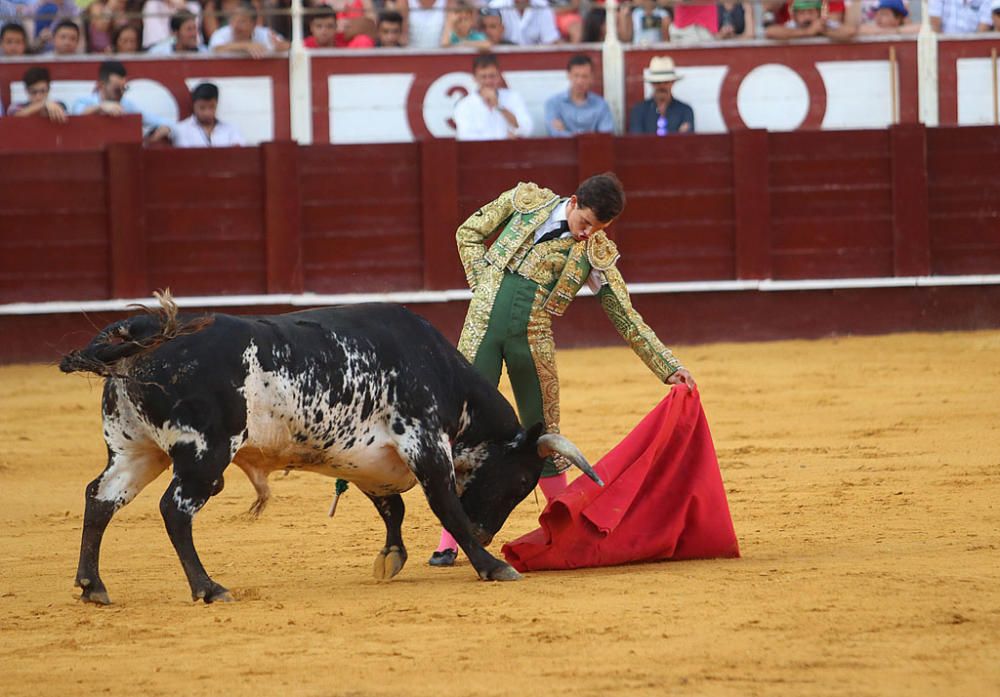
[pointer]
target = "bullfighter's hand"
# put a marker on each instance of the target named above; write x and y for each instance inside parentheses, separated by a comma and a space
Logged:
(682, 377)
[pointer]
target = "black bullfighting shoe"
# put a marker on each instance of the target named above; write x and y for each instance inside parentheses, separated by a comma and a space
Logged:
(445, 558)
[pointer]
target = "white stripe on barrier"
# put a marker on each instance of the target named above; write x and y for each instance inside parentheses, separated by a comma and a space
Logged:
(443, 296)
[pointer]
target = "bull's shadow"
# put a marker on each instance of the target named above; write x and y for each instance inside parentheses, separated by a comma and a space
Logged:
(371, 394)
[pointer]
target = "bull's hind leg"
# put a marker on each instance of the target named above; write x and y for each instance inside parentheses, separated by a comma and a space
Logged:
(391, 559)
(127, 473)
(197, 477)
(432, 464)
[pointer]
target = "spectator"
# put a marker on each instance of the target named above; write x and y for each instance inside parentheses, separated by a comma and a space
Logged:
(694, 21)
(242, 35)
(780, 11)
(37, 83)
(643, 23)
(13, 40)
(99, 22)
(595, 25)
(46, 14)
(125, 39)
(491, 22)
(66, 38)
(807, 22)
(216, 15)
(390, 29)
(348, 10)
(735, 20)
(460, 28)
(578, 110)
(109, 99)
(423, 22)
(492, 112)
(156, 16)
(959, 16)
(661, 114)
(890, 18)
(360, 33)
(184, 39)
(528, 22)
(322, 28)
(569, 22)
(202, 129)
(995, 15)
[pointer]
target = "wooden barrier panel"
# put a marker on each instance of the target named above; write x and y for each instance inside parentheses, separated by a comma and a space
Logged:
(38, 134)
(831, 205)
(54, 226)
(964, 199)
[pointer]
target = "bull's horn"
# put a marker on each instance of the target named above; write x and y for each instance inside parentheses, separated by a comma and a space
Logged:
(552, 443)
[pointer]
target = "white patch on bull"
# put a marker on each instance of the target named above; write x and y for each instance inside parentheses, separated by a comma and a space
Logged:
(464, 419)
(467, 463)
(185, 505)
(128, 473)
(293, 423)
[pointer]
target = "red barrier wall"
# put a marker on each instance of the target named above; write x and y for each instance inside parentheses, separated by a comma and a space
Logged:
(338, 219)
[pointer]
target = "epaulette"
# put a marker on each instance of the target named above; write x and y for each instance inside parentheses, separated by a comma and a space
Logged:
(529, 197)
(601, 251)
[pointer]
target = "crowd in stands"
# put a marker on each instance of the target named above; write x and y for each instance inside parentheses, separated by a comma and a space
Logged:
(258, 27)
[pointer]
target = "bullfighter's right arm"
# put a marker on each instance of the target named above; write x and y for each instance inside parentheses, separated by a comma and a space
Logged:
(480, 226)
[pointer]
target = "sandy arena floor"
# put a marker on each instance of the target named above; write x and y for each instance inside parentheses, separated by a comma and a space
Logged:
(864, 482)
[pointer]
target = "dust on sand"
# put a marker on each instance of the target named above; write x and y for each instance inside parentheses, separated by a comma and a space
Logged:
(863, 477)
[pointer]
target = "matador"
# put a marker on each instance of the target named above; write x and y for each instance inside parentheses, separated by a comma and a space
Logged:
(547, 249)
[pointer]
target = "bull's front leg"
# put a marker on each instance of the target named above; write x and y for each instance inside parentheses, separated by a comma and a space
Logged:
(434, 469)
(195, 480)
(126, 474)
(391, 559)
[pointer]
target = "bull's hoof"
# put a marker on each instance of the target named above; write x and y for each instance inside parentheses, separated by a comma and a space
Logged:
(389, 562)
(501, 572)
(92, 592)
(97, 597)
(215, 594)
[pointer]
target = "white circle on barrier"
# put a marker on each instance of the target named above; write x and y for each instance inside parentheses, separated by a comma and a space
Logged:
(153, 97)
(774, 97)
(440, 100)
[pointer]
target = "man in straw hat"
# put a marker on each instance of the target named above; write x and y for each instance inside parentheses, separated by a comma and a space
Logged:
(661, 114)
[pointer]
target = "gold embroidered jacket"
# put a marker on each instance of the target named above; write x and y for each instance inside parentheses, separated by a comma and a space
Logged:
(560, 267)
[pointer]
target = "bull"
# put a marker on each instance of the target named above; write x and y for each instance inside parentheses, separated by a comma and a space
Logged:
(369, 393)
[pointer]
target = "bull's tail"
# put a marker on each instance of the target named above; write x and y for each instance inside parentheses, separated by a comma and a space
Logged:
(133, 336)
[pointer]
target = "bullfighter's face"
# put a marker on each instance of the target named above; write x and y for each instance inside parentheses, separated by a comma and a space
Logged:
(583, 222)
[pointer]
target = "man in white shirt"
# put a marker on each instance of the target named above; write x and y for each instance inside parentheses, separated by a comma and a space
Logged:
(492, 112)
(184, 37)
(201, 129)
(528, 22)
(959, 16)
(242, 35)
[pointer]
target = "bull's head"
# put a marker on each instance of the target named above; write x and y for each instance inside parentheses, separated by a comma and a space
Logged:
(509, 473)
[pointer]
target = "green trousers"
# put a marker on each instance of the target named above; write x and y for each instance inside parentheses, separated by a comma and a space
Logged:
(506, 341)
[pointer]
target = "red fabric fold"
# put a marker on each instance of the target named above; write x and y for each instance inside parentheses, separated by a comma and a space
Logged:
(663, 498)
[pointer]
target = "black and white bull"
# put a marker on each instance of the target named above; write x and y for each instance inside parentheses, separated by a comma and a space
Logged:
(369, 393)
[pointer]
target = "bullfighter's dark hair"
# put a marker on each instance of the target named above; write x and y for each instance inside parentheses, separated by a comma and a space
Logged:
(603, 194)
(579, 59)
(484, 60)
